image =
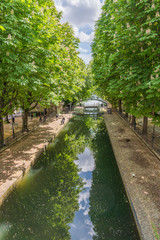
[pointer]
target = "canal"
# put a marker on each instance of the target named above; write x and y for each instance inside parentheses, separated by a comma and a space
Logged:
(73, 192)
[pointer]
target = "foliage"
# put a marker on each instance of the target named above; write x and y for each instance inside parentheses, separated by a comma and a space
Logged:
(39, 61)
(49, 193)
(126, 53)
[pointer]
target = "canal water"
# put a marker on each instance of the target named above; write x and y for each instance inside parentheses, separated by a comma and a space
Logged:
(73, 192)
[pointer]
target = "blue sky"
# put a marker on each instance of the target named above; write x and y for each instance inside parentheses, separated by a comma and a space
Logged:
(81, 14)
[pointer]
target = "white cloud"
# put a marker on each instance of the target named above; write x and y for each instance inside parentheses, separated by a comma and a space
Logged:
(85, 37)
(81, 207)
(86, 212)
(84, 196)
(86, 57)
(88, 183)
(86, 161)
(82, 50)
(73, 225)
(79, 12)
(82, 14)
(59, 6)
(89, 223)
(92, 232)
(82, 35)
(76, 31)
(4, 229)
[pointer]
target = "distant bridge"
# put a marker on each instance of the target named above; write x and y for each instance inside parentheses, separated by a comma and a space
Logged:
(95, 98)
(87, 110)
(91, 110)
(91, 106)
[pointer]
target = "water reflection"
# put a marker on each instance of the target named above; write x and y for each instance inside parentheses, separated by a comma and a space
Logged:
(109, 208)
(82, 228)
(4, 228)
(74, 192)
(44, 203)
(104, 211)
(86, 161)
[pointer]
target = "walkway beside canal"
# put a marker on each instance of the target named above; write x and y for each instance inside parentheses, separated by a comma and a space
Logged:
(140, 171)
(139, 168)
(17, 159)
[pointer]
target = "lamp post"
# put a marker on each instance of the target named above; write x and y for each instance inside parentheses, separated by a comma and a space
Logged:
(70, 108)
(153, 135)
(13, 133)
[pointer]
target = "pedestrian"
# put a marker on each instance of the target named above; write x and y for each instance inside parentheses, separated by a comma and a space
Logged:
(13, 119)
(62, 121)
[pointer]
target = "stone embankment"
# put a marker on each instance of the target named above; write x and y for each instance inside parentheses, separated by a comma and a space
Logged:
(140, 172)
(16, 160)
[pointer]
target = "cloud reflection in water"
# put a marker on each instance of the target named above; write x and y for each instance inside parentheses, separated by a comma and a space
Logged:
(82, 227)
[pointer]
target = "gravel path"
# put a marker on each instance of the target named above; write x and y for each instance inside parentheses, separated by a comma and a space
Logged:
(16, 160)
(140, 171)
(139, 168)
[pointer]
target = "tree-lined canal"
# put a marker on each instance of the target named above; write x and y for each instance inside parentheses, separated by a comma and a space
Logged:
(73, 192)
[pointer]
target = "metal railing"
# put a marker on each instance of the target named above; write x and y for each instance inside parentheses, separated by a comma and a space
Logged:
(17, 135)
(31, 127)
(152, 138)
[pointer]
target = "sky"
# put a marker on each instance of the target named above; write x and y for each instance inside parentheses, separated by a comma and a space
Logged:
(81, 14)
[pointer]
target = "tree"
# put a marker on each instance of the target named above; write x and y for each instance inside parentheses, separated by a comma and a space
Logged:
(39, 60)
(125, 55)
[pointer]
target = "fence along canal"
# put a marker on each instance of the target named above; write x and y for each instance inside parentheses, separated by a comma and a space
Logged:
(73, 192)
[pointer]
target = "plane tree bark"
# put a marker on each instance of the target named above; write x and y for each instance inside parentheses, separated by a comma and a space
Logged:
(145, 125)
(8, 95)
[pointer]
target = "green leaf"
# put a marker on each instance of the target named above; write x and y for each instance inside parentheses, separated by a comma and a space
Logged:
(2, 28)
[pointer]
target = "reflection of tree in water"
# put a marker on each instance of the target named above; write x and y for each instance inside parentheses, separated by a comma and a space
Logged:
(45, 202)
(109, 210)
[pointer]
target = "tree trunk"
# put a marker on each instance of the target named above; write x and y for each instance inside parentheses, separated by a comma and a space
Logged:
(44, 114)
(120, 106)
(25, 121)
(145, 125)
(133, 121)
(127, 115)
(7, 120)
(1, 131)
